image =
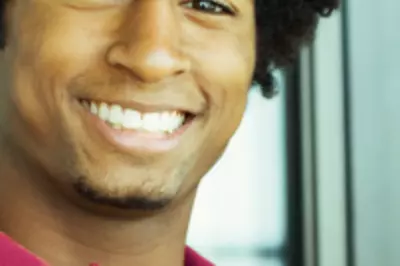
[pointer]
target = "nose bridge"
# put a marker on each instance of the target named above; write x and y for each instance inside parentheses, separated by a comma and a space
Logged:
(150, 41)
(151, 23)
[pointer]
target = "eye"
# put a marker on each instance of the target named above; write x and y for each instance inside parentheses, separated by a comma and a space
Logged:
(209, 6)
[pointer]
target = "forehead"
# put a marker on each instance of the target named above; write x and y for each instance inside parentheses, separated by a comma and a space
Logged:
(238, 3)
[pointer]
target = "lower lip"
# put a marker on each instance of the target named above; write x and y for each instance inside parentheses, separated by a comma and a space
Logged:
(135, 140)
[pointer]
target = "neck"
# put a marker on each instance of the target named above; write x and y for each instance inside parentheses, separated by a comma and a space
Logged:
(63, 234)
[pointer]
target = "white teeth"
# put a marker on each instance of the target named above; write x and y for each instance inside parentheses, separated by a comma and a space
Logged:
(151, 122)
(177, 121)
(171, 121)
(165, 120)
(104, 111)
(132, 119)
(125, 118)
(93, 108)
(116, 114)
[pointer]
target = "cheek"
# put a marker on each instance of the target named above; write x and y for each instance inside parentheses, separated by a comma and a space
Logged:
(61, 41)
(225, 61)
(227, 69)
(46, 51)
(51, 45)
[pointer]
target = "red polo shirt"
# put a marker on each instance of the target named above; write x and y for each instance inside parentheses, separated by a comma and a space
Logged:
(12, 254)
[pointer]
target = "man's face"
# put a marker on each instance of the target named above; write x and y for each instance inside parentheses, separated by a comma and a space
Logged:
(125, 102)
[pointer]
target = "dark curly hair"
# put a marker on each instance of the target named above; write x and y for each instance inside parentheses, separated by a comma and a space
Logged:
(282, 27)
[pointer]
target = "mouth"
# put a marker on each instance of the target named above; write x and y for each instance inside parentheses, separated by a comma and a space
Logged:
(124, 118)
(155, 130)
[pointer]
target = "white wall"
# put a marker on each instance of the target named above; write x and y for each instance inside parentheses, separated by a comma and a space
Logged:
(375, 93)
(329, 142)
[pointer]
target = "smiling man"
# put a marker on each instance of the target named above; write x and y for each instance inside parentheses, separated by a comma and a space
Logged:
(111, 112)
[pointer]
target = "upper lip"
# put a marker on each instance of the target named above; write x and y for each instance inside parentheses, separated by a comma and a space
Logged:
(148, 107)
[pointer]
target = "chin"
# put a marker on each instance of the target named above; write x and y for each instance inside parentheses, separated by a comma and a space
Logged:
(123, 199)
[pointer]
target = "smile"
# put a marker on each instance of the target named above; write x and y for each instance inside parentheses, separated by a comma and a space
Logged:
(154, 131)
(126, 118)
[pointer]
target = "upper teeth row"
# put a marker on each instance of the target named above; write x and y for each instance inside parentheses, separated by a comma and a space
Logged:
(120, 117)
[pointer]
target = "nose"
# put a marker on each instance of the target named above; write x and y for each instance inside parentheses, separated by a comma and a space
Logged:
(148, 46)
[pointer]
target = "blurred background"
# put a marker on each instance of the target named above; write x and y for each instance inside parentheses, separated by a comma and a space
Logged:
(312, 176)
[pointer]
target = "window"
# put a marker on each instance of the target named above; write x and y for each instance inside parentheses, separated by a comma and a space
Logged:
(239, 216)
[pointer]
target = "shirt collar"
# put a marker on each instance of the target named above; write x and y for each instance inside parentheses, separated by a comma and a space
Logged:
(13, 254)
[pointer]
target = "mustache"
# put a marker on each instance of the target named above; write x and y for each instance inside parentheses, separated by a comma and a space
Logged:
(104, 82)
(117, 87)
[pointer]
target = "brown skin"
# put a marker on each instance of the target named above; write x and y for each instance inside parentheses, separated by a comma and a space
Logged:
(151, 51)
